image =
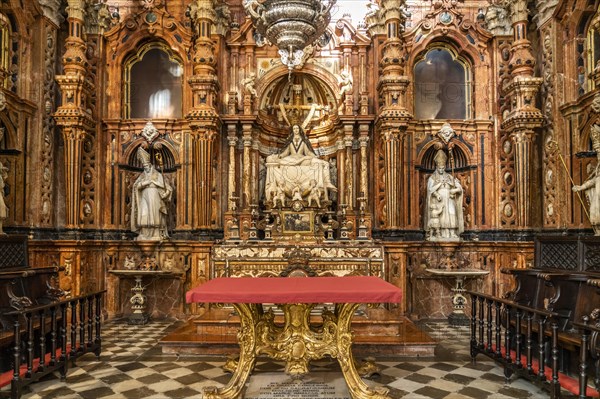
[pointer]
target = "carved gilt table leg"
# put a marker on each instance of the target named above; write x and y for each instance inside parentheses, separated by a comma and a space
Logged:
(357, 387)
(296, 343)
(249, 315)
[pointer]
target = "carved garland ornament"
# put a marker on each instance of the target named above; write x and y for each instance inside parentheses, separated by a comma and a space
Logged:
(549, 161)
(47, 158)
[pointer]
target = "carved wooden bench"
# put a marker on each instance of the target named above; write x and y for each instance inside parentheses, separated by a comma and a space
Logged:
(40, 332)
(46, 338)
(509, 333)
(534, 331)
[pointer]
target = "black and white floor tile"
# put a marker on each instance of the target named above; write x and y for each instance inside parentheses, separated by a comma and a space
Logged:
(133, 366)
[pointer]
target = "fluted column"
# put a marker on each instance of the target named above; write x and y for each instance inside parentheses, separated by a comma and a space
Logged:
(523, 140)
(255, 157)
(349, 186)
(393, 179)
(364, 224)
(73, 140)
(523, 118)
(231, 175)
(341, 166)
(205, 146)
(73, 116)
(394, 118)
(247, 165)
(231, 226)
(203, 117)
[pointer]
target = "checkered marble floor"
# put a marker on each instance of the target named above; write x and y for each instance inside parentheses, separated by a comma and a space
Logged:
(133, 366)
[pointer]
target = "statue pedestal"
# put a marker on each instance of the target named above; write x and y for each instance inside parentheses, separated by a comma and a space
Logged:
(458, 316)
(138, 299)
(247, 101)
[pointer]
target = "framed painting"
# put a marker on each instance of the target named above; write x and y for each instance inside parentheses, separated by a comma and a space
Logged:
(297, 222)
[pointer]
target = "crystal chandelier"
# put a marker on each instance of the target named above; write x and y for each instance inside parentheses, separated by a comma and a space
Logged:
(291, 25)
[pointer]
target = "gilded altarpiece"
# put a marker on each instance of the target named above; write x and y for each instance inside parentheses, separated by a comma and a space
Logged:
(356, 94)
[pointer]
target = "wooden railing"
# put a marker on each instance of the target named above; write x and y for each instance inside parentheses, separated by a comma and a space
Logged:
(589, 356)
(45, 338)
(526, 341)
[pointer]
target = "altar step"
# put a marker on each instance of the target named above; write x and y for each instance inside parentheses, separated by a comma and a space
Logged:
(376, 332)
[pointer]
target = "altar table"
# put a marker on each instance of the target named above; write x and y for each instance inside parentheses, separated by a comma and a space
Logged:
(296, 341)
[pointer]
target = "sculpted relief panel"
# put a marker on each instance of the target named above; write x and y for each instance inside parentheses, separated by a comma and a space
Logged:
(297, 173)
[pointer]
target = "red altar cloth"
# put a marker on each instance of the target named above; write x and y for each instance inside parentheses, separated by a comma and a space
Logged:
(351, 289)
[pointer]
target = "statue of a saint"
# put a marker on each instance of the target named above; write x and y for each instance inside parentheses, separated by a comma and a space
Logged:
(150, 200)
(3, 207)
(443, 207)
(296, 166)
(592, 186)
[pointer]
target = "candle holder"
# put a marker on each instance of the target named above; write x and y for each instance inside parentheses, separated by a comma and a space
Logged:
(344, 231)
(329, 229)
(253, 231)
(362, 225)
(234, 226)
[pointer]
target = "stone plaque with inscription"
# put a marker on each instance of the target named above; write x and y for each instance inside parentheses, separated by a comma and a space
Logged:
(277, 385)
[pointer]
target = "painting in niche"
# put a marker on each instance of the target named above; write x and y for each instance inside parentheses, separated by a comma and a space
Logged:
(440, 87)
(297, 222)
(155, 84)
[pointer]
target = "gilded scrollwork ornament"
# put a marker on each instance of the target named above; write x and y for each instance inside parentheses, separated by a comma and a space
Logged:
(296, 342)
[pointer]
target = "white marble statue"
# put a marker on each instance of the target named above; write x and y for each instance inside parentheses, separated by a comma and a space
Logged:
(314, 194)
(249, 84)
(443, 208)
(150, 200)
(295, 168)
(3, 207)
(592, 186)
(345, 83)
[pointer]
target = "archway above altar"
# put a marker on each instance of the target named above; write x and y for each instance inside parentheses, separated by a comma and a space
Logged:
(302, 169)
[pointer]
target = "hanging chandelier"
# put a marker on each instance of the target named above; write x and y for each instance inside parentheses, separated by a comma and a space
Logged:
(292, 25)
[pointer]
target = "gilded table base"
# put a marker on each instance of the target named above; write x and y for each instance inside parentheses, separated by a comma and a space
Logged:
(296, 343)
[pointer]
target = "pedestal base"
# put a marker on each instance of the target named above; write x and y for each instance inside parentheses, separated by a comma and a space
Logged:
(458, 319)
(138, 319)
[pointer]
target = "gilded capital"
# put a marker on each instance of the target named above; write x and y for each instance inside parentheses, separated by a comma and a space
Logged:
(75, 9)
(519, 11)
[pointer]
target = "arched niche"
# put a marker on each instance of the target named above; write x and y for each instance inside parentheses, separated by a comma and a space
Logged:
(459, 164)
(161, 156)
(153, 83)
(442, 84)
(458, 161)
(8, 133)
(297, 94)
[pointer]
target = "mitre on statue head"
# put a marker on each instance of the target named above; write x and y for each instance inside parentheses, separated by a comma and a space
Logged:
(143, 156)
(440, 158)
